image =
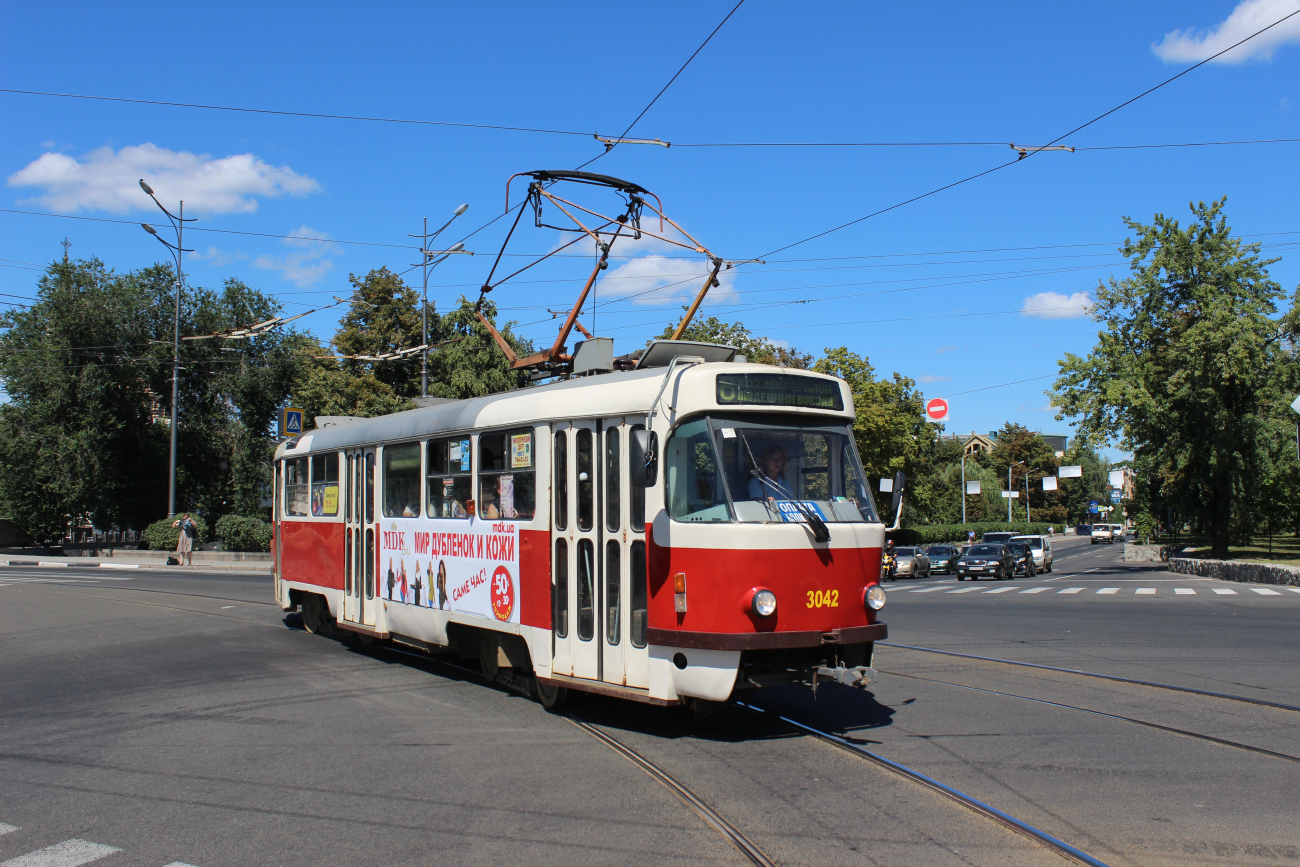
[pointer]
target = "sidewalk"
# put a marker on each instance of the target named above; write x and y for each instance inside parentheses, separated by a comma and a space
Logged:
(129, 559)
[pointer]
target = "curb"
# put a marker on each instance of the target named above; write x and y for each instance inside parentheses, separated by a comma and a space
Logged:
(56, 564)
(1244, 573)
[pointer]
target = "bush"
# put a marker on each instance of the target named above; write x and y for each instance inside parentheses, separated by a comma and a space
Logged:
(934, 534)
(161, 535)
(238, 533)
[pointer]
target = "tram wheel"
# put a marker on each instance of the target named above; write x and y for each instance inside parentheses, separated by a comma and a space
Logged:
(311, 613)
(551, 696)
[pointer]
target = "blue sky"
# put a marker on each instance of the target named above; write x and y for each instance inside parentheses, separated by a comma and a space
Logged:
(909, 289)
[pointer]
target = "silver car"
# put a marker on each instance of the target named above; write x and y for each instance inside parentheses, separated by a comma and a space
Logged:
(1041, 548)
(912, 563)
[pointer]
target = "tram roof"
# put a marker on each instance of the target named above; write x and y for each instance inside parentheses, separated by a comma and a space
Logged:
(611, 394)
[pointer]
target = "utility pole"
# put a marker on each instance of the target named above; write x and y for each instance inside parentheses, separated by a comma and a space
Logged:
(425, 255)
(178, 223)
(963, 487)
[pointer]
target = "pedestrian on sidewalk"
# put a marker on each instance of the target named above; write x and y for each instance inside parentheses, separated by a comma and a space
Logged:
(185, 540)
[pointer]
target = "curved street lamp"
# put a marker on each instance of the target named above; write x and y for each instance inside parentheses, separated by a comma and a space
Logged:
(178, 223)
(431, 259)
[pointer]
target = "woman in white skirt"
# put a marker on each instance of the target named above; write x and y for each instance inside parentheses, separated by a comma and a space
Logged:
(185, 540)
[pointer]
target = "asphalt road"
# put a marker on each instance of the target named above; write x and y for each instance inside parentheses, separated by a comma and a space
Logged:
(179, 718)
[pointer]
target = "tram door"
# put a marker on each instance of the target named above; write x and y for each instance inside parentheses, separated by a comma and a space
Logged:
(574, 551)
(359, 538)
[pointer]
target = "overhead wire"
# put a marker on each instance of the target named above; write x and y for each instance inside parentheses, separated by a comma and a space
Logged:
(1033, 152)
(610, 147)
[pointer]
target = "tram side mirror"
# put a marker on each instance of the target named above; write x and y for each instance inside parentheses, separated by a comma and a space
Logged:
(643, 451)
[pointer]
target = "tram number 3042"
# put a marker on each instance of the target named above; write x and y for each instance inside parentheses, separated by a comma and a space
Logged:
(823, 599)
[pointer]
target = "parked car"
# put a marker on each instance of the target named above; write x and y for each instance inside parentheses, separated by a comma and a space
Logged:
(1023, 556)
(997, 538)
(1102, 533)
(943, 558)
(912, 563)
(1041, 546)
(992, 560)
(1119, 532)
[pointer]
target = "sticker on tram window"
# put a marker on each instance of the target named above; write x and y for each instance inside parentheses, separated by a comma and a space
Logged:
(450, 565)
(332, 500)
(791, 513)
(464, 456)
(728, 433)
(778, 389)
(521, 451)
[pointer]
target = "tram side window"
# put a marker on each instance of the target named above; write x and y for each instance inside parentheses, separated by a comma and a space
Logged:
(507, 476)
(402, 481)
(296, 493)
(561, 481)
(325, 485)
(638, 588)
(447, 485)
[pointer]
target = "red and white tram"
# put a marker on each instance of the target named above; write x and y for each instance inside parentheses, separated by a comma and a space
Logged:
(688, 529)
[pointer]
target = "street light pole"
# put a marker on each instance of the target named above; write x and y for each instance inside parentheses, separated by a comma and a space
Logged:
(425, 255)
(1010, 488)
(178, 223)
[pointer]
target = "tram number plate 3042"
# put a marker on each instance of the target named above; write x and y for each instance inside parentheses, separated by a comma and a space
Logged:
(823, 599)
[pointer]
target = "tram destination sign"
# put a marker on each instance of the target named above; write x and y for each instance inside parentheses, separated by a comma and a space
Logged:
(778, 389)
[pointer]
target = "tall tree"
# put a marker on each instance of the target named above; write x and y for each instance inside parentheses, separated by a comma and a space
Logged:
(1190, 366)
(469, 363)
(1029, 458)
(383, 316)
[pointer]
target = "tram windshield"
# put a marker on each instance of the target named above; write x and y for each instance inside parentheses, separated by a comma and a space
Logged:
(765, 469)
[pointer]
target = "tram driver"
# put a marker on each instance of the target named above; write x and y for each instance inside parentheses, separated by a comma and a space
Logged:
(772, 485)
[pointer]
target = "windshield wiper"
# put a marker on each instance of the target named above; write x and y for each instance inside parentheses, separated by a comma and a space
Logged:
(821, 533)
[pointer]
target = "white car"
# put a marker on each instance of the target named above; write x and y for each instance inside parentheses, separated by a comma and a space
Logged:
(1103, 533)
(1041, 548)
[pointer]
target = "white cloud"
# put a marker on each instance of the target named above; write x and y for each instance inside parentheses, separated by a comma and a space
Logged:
(928, 378)
(216, 258)
(1054, 305)
(1250, 16)
(110, 181)
(306, 267)
(657, 274)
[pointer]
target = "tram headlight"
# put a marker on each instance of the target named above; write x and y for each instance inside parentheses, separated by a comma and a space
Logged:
(875, 597)
(764, 603)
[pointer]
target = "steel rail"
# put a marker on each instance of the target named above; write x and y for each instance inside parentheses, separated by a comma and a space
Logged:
(1148, 724)
(1111, 677)
(711, 816)
(1006, 820)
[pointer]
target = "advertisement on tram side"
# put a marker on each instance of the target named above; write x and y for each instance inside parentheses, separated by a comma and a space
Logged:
(469, 566)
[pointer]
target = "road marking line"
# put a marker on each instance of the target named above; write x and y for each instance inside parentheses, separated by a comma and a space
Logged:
(1070, 590)
(1108, 591)
(1223, 591)
(1264, 591)
(224, 607)
(5, 829)
(179, 864)
(51, 563)
(69, 853)
(1145, 591)
(1000, 590)
(1036, 590)
(1294, 589)
(965, 590)
(119, 565)
(1184, 591)
(926, 589)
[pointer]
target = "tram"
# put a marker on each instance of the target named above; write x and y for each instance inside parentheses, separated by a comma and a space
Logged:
(683, 530)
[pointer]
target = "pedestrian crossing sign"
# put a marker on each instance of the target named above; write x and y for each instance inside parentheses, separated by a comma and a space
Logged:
(290, 422)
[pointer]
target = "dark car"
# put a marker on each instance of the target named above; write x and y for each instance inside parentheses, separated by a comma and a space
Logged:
(943, 558)
(1024, 558)
(986, 560)
(997, 537)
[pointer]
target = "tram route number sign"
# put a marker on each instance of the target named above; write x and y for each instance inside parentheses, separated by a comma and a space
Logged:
(936, 410)
(790, 513)
(778, 389)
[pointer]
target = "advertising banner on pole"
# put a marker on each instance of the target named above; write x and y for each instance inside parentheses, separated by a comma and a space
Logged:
(1117, 478)
(1015, 495)
(1049, 483)
(973, 487)
(1070, 473)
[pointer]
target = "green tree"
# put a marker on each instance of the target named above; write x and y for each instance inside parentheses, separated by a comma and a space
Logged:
(469, 363)
(1190, 367)
(323, 386)
(384, 316)
(1029, 457)
(759, 350)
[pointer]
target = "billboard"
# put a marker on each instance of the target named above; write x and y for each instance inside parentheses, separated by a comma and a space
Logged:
(470, 566)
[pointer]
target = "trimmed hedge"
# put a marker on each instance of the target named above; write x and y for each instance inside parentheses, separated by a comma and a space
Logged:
(238, 533)
(934, 534)
(162, 536)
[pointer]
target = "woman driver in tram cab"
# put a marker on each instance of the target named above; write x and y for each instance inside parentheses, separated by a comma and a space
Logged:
(772, 485)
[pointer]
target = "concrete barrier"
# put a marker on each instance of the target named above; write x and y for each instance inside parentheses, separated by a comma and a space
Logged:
(1134, 552)
(1231, 570)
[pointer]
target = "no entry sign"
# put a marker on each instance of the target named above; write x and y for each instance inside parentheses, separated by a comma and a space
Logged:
(936, 409)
